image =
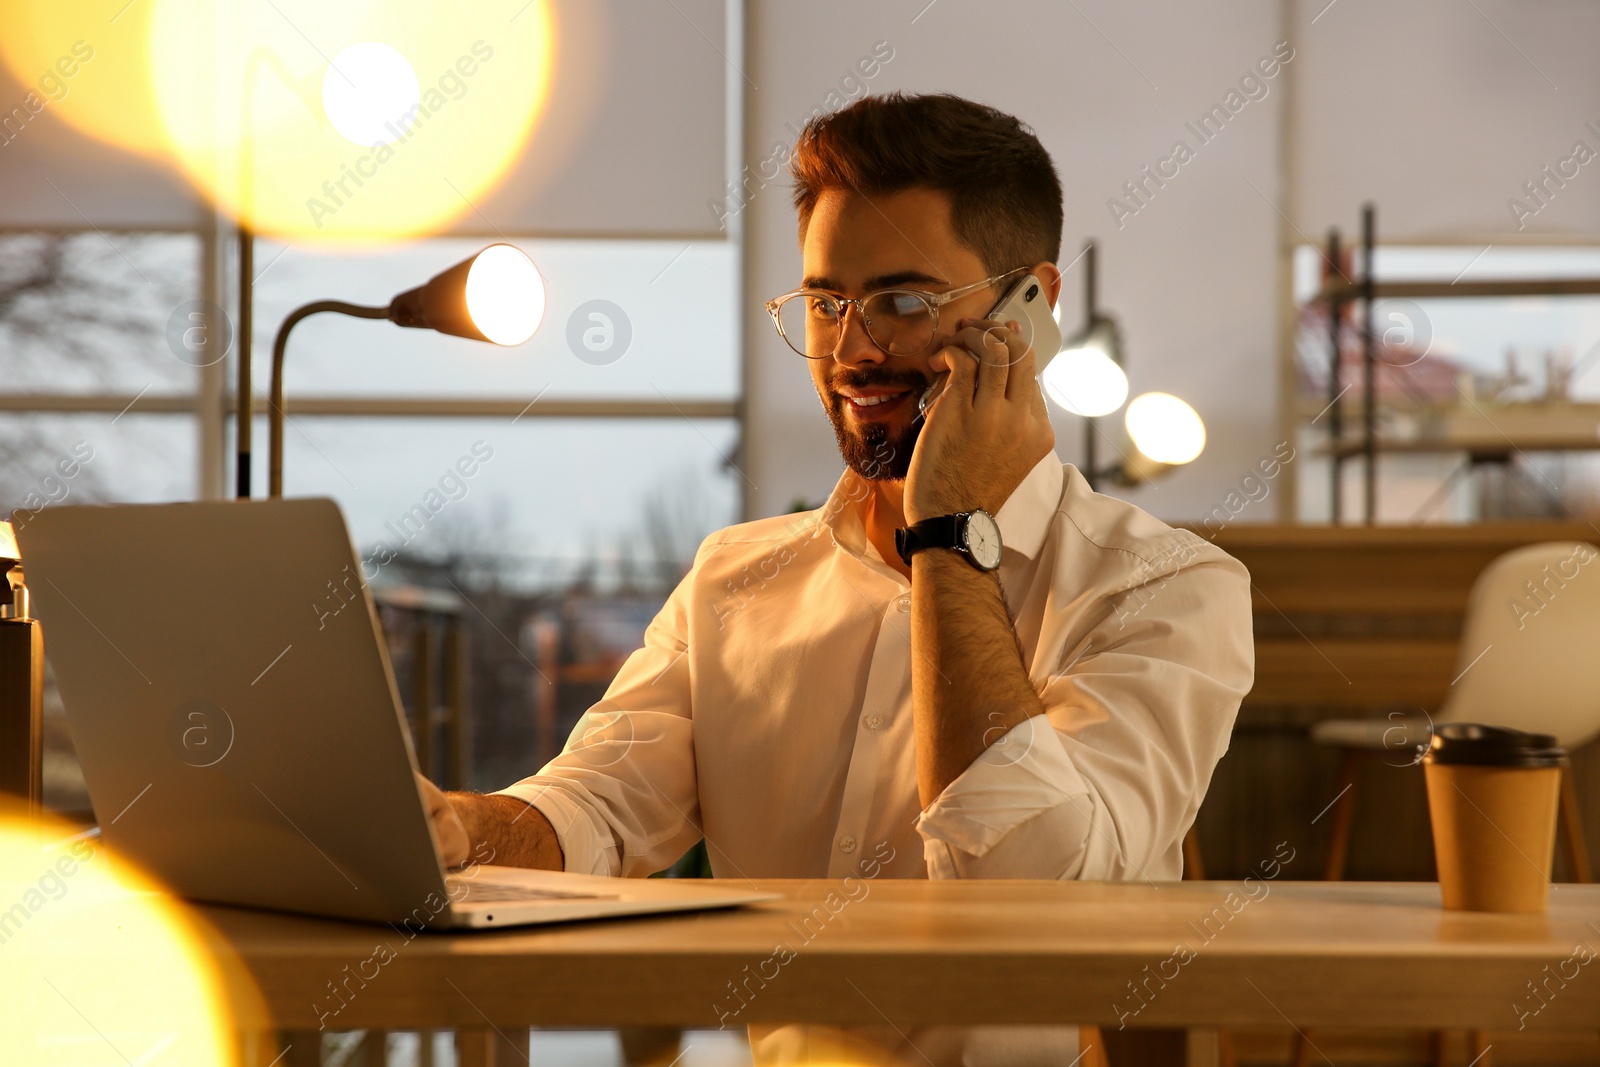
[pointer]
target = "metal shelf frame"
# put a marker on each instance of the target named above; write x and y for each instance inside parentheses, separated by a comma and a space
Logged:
(1340, 290)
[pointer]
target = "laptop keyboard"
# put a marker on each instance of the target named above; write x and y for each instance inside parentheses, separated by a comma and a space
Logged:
(481, 892)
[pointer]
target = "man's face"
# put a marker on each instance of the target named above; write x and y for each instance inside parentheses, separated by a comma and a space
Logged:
(855, 245)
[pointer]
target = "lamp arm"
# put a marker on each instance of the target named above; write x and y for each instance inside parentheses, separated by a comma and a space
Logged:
(275, 400)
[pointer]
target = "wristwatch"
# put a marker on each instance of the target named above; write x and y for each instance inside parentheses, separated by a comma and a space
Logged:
(974, 534)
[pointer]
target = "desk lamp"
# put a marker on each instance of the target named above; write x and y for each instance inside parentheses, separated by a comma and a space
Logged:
(1087, 379)
(21, 683)
(495, 295)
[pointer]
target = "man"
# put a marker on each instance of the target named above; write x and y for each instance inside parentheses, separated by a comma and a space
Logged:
(813, 704)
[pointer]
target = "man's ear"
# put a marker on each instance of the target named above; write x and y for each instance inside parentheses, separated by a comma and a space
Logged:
(1050, 275)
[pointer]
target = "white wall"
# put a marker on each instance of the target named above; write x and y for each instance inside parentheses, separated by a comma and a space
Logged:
(1440, 111)
(1191, 275)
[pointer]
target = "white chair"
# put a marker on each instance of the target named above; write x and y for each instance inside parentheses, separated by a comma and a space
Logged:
(1529, 659)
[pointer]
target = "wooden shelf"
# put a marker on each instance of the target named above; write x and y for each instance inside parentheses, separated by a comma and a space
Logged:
(1498, 448)
(1491, 431)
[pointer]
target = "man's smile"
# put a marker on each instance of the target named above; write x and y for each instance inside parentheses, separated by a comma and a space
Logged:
(877, 402)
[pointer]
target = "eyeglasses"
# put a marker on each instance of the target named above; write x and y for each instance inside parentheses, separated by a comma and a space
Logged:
(901, 322)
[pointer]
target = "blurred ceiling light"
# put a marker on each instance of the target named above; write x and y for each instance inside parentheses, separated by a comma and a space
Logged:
(1087, 378)
(370, 93)
(1166, 432)
(84, 63)
(386, 140)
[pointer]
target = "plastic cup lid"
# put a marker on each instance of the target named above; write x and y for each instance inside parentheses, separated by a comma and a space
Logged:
(1474, 744)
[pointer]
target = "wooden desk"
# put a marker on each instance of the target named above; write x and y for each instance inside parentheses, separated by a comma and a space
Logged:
(1310, 954)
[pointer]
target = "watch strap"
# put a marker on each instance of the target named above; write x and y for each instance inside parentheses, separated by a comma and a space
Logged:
(941, 531)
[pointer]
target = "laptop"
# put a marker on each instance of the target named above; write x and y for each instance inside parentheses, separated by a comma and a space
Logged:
(233, 706)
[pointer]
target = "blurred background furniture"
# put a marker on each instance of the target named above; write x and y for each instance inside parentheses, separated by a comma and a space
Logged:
(554, 673)
(1526, 660)
(1356, 622)
(428, 647)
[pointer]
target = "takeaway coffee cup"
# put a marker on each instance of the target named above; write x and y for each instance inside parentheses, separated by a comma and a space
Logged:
(1492, 796)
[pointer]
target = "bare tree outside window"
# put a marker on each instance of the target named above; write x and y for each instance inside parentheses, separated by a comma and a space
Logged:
(84, 313)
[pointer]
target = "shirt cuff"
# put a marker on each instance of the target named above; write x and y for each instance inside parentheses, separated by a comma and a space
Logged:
(583, 849)
(1024, 773)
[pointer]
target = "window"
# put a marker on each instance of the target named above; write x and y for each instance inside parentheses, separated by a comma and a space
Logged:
(603, 450)
(1518, 377)
(84, 324)
(563, 494)
(670, 330)
(551, 502)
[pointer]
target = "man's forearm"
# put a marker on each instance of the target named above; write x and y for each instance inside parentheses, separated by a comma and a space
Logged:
(968, 684)
(509, 832)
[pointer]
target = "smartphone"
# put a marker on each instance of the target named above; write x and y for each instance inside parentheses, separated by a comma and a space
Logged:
(1026, 303)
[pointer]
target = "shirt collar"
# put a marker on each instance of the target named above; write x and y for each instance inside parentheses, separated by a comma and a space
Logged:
(1024, 519)
(841, 515)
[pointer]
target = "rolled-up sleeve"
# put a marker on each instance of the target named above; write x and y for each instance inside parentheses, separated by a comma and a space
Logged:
(1104, 784)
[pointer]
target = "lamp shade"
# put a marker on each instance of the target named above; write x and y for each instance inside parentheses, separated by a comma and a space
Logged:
(1101, 335)
(496, 295)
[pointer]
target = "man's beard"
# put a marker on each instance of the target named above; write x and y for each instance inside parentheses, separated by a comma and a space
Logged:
(874, 452)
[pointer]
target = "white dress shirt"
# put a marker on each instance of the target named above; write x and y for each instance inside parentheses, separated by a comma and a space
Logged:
(769, 710)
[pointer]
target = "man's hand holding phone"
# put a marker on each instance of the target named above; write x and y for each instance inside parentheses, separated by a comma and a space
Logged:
(986, 428)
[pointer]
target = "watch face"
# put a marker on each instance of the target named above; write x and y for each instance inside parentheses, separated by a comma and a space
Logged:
(983, 540)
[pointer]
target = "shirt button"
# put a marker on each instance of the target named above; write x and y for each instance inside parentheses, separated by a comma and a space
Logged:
(874, 721)
(847, 844)
(903, 602)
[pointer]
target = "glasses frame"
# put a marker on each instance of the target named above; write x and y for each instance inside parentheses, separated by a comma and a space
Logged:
(935, 301)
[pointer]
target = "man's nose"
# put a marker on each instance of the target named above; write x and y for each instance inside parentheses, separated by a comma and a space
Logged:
(855, 348)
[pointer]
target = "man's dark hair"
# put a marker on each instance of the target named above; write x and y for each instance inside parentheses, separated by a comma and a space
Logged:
(1005, 198)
